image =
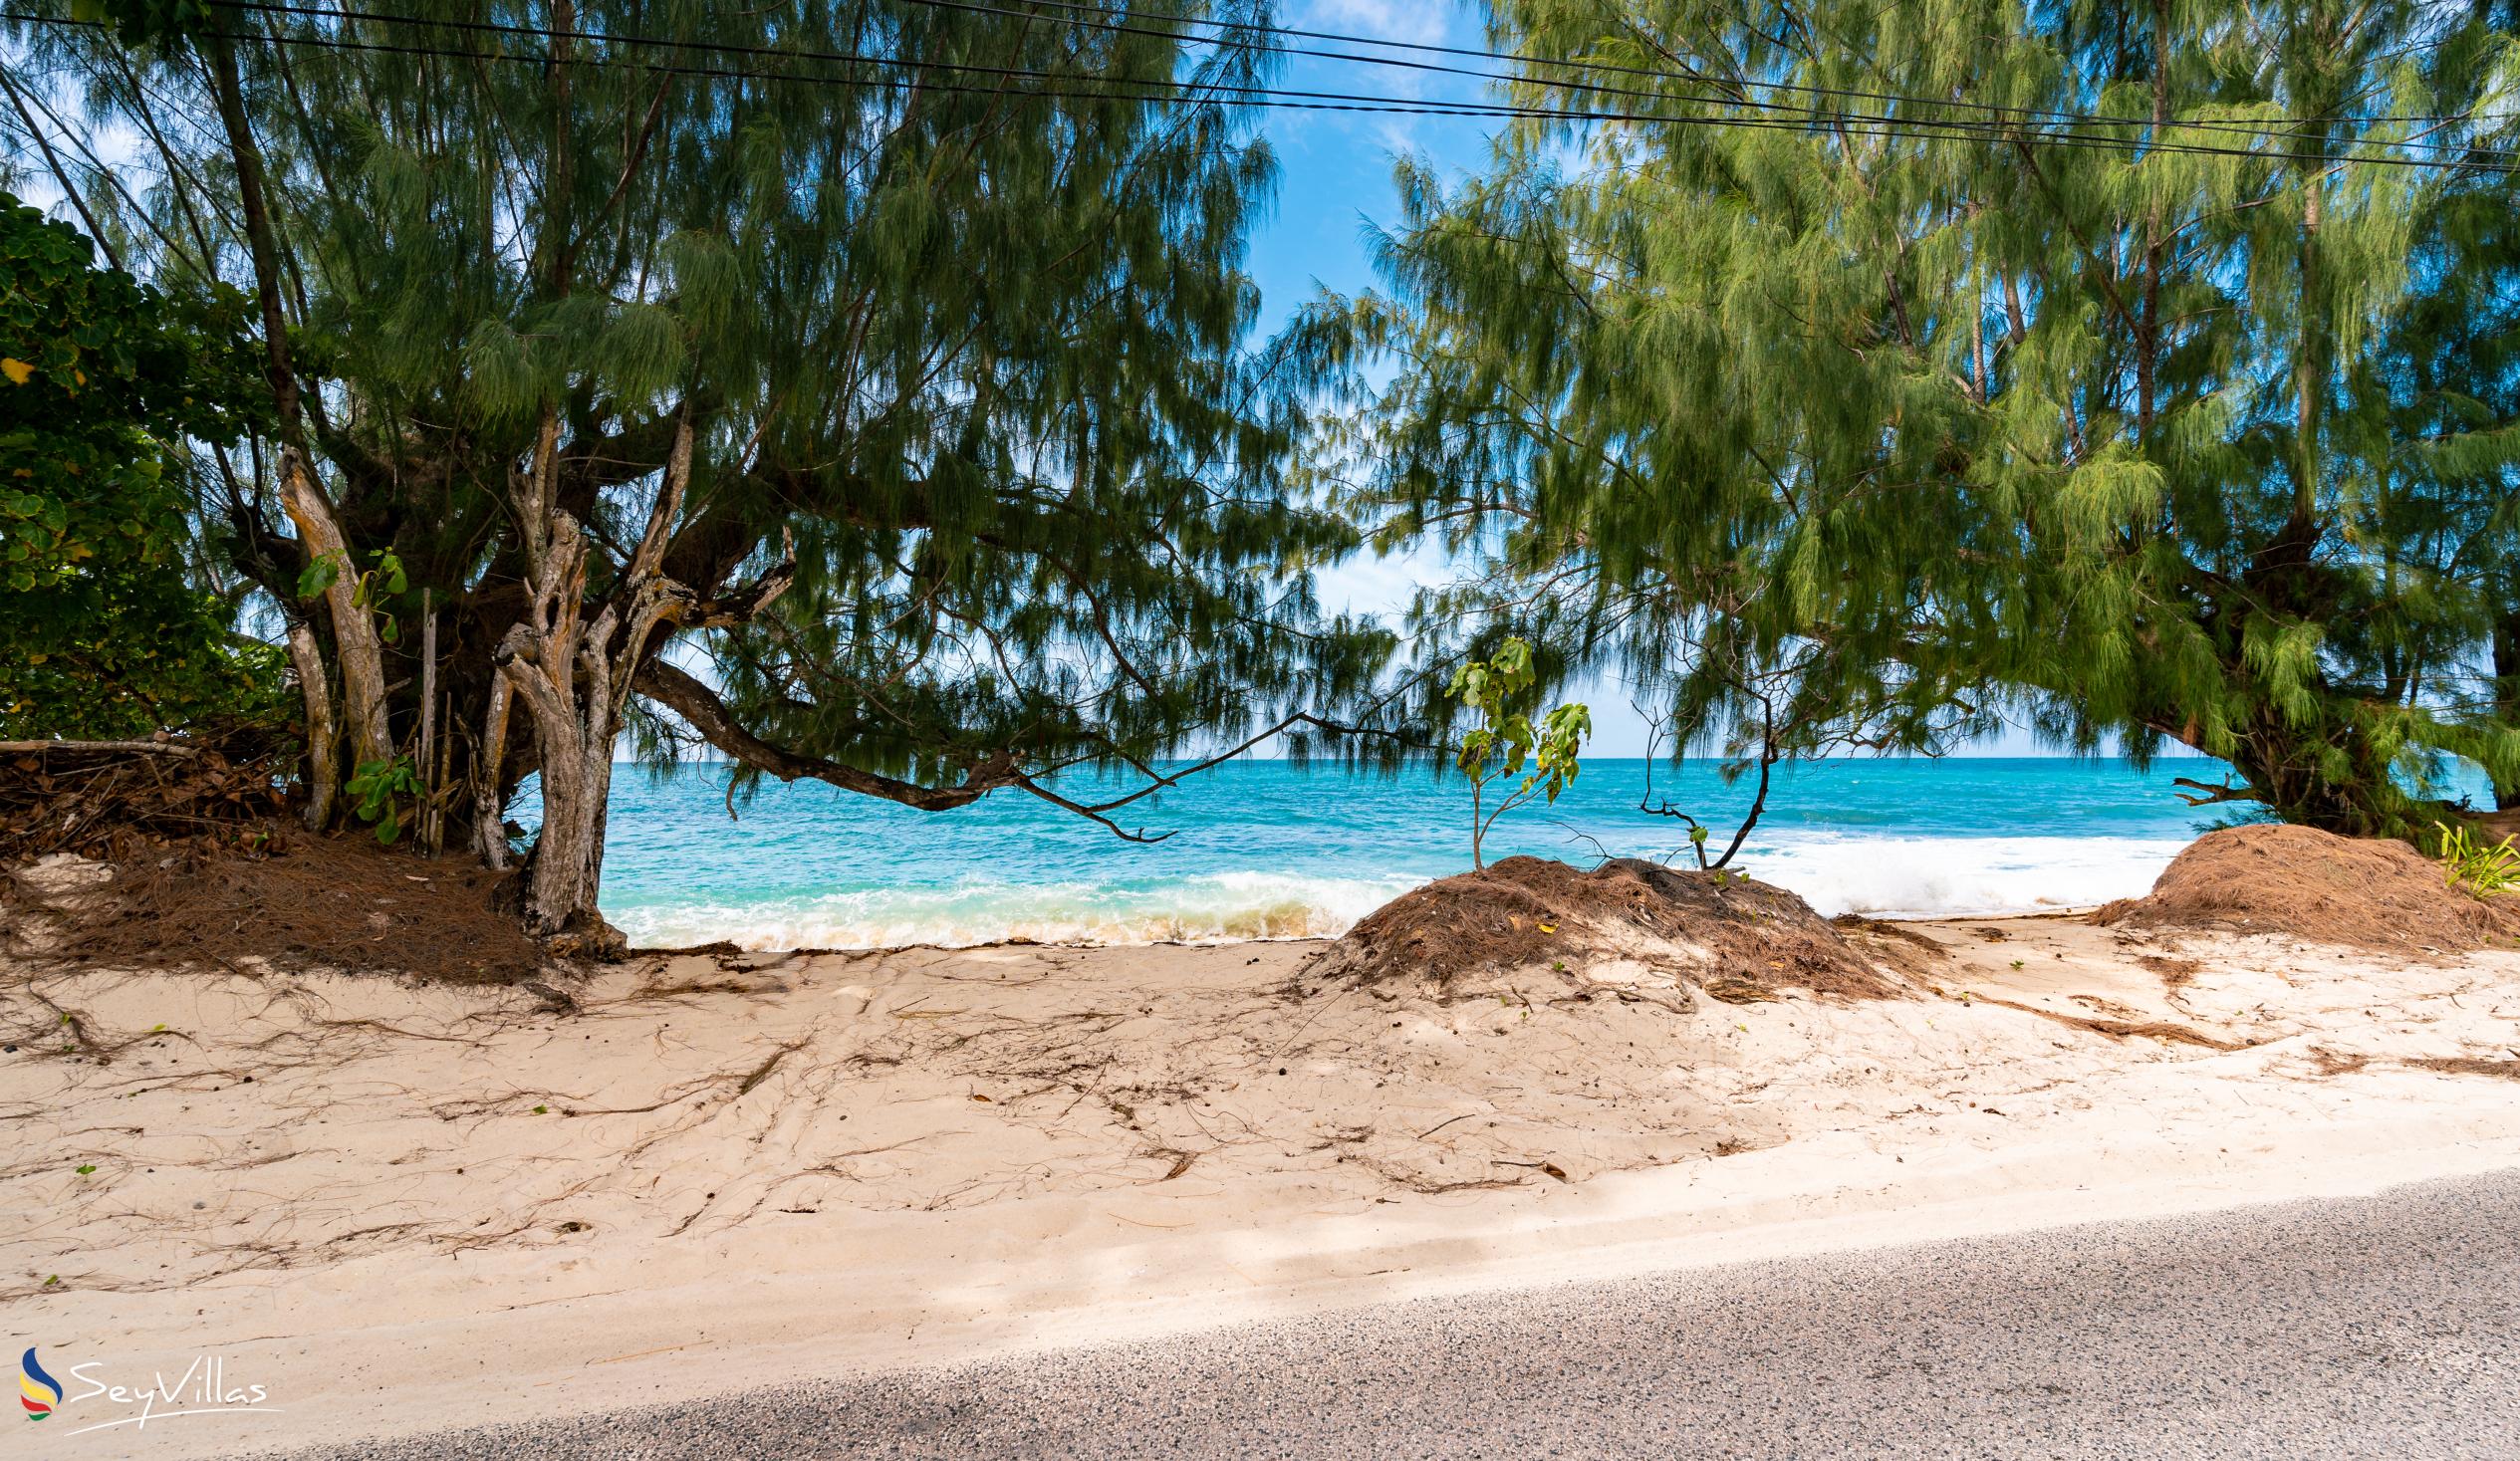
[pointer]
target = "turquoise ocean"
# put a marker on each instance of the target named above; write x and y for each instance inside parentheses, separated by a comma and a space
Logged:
(1265, 849)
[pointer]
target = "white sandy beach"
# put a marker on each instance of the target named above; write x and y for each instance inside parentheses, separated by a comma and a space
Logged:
(402, 1210)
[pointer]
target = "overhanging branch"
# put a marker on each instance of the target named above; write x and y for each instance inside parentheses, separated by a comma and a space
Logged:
(747, 602)
(684, 694)
(2211, 795)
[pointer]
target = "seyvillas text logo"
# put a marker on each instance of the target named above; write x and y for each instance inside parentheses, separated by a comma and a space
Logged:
(202, 1388)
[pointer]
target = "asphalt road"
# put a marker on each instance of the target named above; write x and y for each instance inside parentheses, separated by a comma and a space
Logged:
(2372, 1328)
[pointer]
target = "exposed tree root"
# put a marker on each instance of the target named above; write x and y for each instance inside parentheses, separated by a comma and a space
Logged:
(2122, 1029)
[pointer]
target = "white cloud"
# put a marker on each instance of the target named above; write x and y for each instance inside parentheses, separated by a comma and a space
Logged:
(1411, 22)
(1420, 22)
(1366, 583)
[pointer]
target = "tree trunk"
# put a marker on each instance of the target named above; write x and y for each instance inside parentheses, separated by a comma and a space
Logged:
(432, 769)
(2147, 358)
(2507, 695)
(2286, 768)
(574, 679)
(323, 733)
(489, 792)
(354, 640)
(219, 55)
(2309, 375)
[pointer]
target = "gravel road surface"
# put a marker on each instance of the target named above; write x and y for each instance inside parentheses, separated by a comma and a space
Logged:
(2379, 1327)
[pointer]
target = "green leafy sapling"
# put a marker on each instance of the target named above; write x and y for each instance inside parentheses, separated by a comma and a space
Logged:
(376, 790)
(1503, 693)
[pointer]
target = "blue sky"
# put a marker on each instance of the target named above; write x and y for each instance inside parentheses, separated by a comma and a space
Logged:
(1335, 166)
(1335, 185)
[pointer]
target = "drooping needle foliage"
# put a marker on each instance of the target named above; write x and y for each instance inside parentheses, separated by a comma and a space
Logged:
(2100, 365)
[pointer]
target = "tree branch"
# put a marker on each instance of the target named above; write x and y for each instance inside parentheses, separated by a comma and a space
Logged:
(2213, 793)
(154, 748)
(686, 695)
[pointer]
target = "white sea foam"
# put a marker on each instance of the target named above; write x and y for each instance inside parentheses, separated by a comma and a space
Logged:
(1934, 877)
(1220, 907)
(1884, 878)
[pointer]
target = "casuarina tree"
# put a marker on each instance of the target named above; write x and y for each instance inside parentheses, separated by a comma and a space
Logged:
(866, 391)
(2141, 370)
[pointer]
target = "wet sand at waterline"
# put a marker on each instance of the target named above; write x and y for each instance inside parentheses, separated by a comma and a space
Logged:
(409, 1208)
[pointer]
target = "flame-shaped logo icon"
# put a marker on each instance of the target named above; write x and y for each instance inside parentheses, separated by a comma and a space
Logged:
(38, 1391)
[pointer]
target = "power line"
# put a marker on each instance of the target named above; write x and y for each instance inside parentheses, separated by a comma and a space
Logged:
(1254, 97)
(2219, 127)
(1889, 126)
(2275, 124)
(1833, 120)
(1259, 96)
(1262, 98)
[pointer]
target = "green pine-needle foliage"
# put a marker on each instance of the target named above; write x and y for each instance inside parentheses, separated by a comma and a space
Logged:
(107, 626)
(1895, 414)
(978, 347)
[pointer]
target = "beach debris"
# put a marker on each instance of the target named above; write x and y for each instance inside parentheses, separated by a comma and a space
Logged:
(554, 1001)
(2506, 1070)
(2317, 887)
(128, 800)
(2326, 1062)
(2161, 1030)
(2175, 972)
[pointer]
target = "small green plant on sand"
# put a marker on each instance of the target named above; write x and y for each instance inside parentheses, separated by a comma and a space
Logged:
(2482, 869)
(1502, 691)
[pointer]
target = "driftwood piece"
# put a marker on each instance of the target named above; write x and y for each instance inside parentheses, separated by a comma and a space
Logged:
(153, 748)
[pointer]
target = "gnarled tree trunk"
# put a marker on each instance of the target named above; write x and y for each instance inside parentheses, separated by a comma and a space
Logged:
(355, 648)
(573, 678)
(356, 644)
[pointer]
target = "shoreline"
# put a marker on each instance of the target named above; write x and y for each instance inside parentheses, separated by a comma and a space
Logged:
(720, 1172)
(1282, 860)
(730, 948)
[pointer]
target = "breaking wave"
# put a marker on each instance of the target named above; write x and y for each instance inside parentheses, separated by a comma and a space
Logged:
(1948, 876)
(1883, 877)
(1225, 907)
